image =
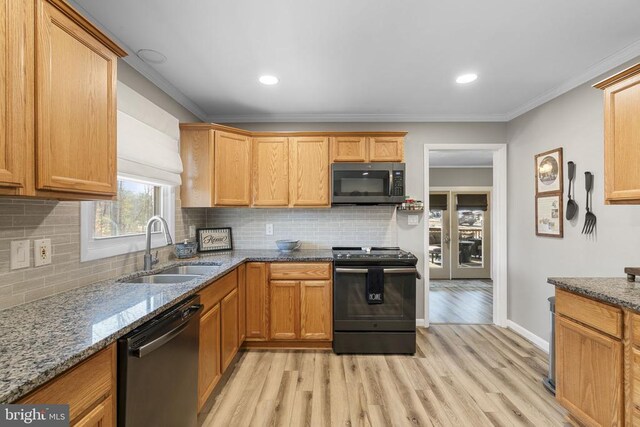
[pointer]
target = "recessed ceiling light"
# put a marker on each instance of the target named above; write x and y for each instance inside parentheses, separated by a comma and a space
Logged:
(466, 78)
(151, 56)
(268, 80)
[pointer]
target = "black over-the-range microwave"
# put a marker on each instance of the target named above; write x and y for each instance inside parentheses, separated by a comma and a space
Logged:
(367, 183)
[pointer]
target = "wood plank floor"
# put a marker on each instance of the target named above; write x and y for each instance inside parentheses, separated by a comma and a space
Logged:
(462, 375)
(461, 301)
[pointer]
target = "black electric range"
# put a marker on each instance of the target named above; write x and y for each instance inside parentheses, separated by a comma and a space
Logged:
(374, 300)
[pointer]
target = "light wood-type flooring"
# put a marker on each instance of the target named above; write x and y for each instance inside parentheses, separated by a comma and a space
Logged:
(462, 375)
(461, 301)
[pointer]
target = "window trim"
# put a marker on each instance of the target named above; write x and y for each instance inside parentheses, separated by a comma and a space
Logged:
(93, 249)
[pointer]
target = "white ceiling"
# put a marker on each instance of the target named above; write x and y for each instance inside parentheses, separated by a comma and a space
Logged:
(461, 159)
(371, 60)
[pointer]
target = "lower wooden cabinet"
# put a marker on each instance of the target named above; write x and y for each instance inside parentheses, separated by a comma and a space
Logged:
(315, 310)
(300, 310)
(229, 319)
(589, 373)
(284, 308)
(242, 303)
(88, 388)
(218, 333)
(209, 366)
(256, 302)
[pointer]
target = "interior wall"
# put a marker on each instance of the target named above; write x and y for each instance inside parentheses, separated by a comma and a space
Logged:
(410, 237)
(461, 177)
(573, 121)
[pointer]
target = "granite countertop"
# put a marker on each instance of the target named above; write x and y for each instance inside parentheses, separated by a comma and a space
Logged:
(613, 290)
(41, 339)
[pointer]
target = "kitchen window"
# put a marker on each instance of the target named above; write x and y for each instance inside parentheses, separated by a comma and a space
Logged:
(110, 228)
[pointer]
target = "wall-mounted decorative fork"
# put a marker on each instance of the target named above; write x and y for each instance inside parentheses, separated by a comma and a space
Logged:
(589, 217)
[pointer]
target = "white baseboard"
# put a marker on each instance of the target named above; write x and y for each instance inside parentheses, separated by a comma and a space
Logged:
(419, 322)
(527, 334)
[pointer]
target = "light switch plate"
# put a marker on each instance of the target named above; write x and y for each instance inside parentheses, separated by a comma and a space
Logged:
(413, 219)
(41, 252)
(20, 254)
(269, 230)
(192, 231)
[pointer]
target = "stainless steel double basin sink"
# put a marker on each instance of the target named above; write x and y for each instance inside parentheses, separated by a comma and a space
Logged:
(177, 274)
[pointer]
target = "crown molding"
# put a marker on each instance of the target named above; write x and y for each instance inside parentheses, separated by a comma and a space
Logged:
(353, 118)
(606, 65)
(143, 68)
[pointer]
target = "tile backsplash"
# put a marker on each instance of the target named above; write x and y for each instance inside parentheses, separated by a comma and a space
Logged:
(60, 221)
(317, 228)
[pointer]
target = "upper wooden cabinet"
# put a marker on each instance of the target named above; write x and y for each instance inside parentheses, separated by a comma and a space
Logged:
(225, 166)
(16, 96)
(622, 136)
(309, 171)
(270, 171)
(349, 149)
(67, 148)
(232, 170)
(386, 149)
(355, 148)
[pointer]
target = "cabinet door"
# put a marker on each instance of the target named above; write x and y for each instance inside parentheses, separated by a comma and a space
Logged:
(348, 149)
(76, 107)
(622, 133)
(257, 323)
(232, 169)
(386, 149)
(270, 171)
(16, 95)
(209, 366)
(229, 319)
(589, 373)
(196, 152)
(242, 304)
(284, 309)
(315, 310)
(100, 416)
(309, 171)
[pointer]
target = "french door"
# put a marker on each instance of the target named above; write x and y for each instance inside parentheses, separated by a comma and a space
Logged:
(459, 235)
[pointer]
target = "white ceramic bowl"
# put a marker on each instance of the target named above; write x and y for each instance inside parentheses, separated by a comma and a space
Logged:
(287, 245)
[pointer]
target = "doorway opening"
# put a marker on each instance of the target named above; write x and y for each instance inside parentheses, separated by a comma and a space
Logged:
(466, 200)
(460, 286)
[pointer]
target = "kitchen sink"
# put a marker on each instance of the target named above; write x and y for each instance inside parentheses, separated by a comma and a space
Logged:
(164, 278)
(198, 270)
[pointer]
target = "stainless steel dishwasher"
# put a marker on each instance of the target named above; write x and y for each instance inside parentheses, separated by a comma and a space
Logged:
(158, 370)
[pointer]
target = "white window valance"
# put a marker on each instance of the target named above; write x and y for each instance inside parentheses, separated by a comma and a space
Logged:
(148, 139)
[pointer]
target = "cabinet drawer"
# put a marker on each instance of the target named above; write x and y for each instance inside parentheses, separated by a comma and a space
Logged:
(603, 317)
(302, 271)
(635, 378)
(213, 293)
(81, 387)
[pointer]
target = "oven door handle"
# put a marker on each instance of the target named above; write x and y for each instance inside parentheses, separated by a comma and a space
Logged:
(385, 270)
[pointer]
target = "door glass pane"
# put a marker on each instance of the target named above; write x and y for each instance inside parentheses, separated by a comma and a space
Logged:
(435, 238)
(470, 235)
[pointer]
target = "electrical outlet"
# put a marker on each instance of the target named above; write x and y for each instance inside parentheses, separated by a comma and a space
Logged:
(41, 252)
(192, 231)
(20, 254)
(269, 230)
(413, 219)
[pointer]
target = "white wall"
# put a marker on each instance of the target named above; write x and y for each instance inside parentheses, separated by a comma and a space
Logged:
(461, 177)
(410, 238)
(573, 121)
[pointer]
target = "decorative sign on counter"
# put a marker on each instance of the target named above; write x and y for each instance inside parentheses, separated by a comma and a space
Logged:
(214, 239)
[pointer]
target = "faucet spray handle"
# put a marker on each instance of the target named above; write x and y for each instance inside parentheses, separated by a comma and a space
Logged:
(155, 259)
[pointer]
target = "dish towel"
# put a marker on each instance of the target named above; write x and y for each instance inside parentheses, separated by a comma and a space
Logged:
(375, 285)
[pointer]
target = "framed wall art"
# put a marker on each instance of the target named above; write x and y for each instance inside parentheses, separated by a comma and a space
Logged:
(549, 177)
(214, 239)
(549, 217)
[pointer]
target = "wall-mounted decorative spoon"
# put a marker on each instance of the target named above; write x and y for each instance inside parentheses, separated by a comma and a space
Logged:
(572, 206)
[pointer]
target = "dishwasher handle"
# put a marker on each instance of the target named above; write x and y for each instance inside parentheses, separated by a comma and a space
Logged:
(149, 347)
